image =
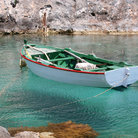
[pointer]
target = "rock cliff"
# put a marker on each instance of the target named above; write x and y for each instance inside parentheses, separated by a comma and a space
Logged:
(69, 16)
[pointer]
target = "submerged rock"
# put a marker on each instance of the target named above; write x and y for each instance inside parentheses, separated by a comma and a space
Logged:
(68, 16)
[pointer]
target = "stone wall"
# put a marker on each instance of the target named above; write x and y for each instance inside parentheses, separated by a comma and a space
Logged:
(69, 16)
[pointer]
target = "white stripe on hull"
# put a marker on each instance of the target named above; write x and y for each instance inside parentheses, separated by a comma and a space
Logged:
(113, 78)
(97, 80)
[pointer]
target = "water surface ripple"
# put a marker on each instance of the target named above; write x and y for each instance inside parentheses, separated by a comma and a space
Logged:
(28, 100)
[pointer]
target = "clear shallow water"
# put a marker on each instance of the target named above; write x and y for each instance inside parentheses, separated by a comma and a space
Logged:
(26, 99)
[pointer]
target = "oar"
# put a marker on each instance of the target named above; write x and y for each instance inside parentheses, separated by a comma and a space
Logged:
(48, 62)
(77, 57)
(39, 51)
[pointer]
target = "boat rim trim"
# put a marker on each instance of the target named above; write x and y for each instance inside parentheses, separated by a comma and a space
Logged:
(102, 73)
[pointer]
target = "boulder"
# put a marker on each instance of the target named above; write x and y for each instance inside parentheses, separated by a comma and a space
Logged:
(4, 133)
(27, 134)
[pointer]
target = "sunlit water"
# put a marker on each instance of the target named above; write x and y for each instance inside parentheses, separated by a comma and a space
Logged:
(28, 100)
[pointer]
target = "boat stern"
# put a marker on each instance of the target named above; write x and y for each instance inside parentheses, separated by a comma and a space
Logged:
(122, 77)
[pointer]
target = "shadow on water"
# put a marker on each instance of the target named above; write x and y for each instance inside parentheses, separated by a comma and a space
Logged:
(120, 89)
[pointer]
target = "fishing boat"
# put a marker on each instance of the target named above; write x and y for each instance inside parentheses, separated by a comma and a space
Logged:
(68, 66)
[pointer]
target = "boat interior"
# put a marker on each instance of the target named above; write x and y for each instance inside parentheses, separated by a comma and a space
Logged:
(67, 58)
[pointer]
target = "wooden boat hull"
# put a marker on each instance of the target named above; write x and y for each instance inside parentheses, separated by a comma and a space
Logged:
(122, 77)
(114, 78)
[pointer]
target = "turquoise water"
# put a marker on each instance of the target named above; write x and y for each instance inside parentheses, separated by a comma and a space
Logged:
(28, 100)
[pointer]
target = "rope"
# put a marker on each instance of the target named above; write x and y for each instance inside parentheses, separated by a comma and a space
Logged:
(53, 107)
(113, 86)
(57, 106)
(7, 86)
(95, 95)
(3, 90)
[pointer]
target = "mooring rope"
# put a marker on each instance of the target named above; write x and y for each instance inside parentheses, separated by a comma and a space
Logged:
(113, 86)
(62, 105)
(57, 106)
(53, 107)
(3, 90)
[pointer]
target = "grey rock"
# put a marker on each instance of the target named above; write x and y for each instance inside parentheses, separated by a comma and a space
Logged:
(4, 133)
(27, 134)
(69, 15)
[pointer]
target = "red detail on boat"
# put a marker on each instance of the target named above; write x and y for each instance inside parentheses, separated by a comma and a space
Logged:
(61, 68)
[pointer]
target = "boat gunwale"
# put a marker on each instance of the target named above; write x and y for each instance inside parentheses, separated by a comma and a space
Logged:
(71, 70)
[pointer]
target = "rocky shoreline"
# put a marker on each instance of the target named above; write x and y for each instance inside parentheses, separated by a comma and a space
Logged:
(25, 134)
(61, 130)
(69, 16)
